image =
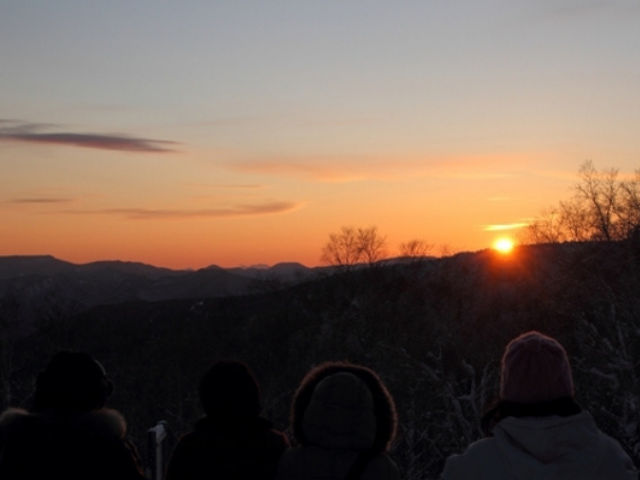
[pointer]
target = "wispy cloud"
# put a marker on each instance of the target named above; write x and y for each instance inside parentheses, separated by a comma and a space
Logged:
(39, 200)
(350, 168)
(11, 131)
(322, 169)
(338, 168)
(231, 186)
(505, 227)
(268, 208)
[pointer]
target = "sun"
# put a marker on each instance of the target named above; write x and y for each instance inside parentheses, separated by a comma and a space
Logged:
(503, 245)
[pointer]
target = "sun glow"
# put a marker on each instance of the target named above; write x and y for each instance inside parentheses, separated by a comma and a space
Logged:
(503, 245)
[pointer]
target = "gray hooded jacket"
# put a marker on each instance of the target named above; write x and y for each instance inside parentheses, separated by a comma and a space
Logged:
(543, 448)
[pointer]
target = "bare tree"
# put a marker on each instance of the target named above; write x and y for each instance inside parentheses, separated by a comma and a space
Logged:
(373, 246)
(546, 228)
(352, 246)
(599, 192)
(445, 250)
(416, 248)
(603, 208)
(628, 208)
(342, 248)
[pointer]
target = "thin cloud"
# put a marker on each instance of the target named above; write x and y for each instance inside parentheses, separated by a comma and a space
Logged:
(505, 227)
(241, 187)
(269, 208)
(40, 200)
(327, 171)
(225, 186)
(337, 168)
(32, 133)
(478, 176)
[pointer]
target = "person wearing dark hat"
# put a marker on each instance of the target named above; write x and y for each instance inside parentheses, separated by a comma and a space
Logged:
(232, 441)
(536, 430)
(69, 433)
(344, 420)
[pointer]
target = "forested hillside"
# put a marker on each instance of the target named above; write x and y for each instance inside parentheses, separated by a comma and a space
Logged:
(433, 328)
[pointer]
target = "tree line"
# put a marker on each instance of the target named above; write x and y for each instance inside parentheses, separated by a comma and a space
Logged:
(605, 206)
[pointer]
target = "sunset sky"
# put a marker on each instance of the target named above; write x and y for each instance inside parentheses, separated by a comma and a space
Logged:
(233, 132)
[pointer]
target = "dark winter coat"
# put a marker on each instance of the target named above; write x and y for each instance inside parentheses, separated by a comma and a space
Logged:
(71, 447)
(340, 413)
(247, 449)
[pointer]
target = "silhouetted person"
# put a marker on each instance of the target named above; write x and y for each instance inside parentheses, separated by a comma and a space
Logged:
(233, 442)
(69, 434)
(344, 420)
(536, 429)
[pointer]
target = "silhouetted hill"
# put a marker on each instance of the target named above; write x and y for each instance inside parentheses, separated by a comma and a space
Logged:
(284, 271)
(43, 287)
(433, 328)
(23, 266)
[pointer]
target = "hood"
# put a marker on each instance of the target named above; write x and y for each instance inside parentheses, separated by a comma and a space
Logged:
(551, 447)
(341, 405)
(341, 414)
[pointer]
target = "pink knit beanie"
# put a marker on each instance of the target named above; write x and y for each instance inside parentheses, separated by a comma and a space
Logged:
(535, 368)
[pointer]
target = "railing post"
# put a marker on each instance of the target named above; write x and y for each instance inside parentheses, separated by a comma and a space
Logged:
(157, 451)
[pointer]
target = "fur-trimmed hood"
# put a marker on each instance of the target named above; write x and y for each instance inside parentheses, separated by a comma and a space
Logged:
(105, 422)
(344, 406)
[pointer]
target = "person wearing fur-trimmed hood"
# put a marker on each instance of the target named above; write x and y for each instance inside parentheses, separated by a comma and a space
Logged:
(536, 430)
(343, 420)
(69, 433)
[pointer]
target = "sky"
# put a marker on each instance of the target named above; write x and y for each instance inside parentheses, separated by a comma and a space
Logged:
(243, 132)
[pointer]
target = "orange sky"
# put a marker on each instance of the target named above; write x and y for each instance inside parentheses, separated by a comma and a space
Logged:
(193, 222)
(191, 135)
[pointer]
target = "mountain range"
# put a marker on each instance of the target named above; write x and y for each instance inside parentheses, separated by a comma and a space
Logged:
(34, 288)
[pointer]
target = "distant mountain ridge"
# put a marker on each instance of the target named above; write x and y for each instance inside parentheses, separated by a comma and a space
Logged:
(36, 287)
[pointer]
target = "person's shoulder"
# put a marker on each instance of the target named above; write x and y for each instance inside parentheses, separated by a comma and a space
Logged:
(381, 467)
(17, 425)
(477, 454)
(277, 439)
(478, 449)
(615, 460)
(265, 435)
(299, 460)
(13, 417)
(104, 423)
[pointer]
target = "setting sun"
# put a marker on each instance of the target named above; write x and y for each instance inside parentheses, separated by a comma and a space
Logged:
(503, 245)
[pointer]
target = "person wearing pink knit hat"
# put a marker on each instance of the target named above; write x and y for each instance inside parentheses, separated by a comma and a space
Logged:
(535, 368)
(536, 430)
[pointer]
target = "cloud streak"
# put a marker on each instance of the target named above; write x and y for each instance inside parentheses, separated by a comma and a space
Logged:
(322, 170)
(231, 186)
(39, 201)
(32, 134)
(337, 168)
(268, 208)
(502, 228)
